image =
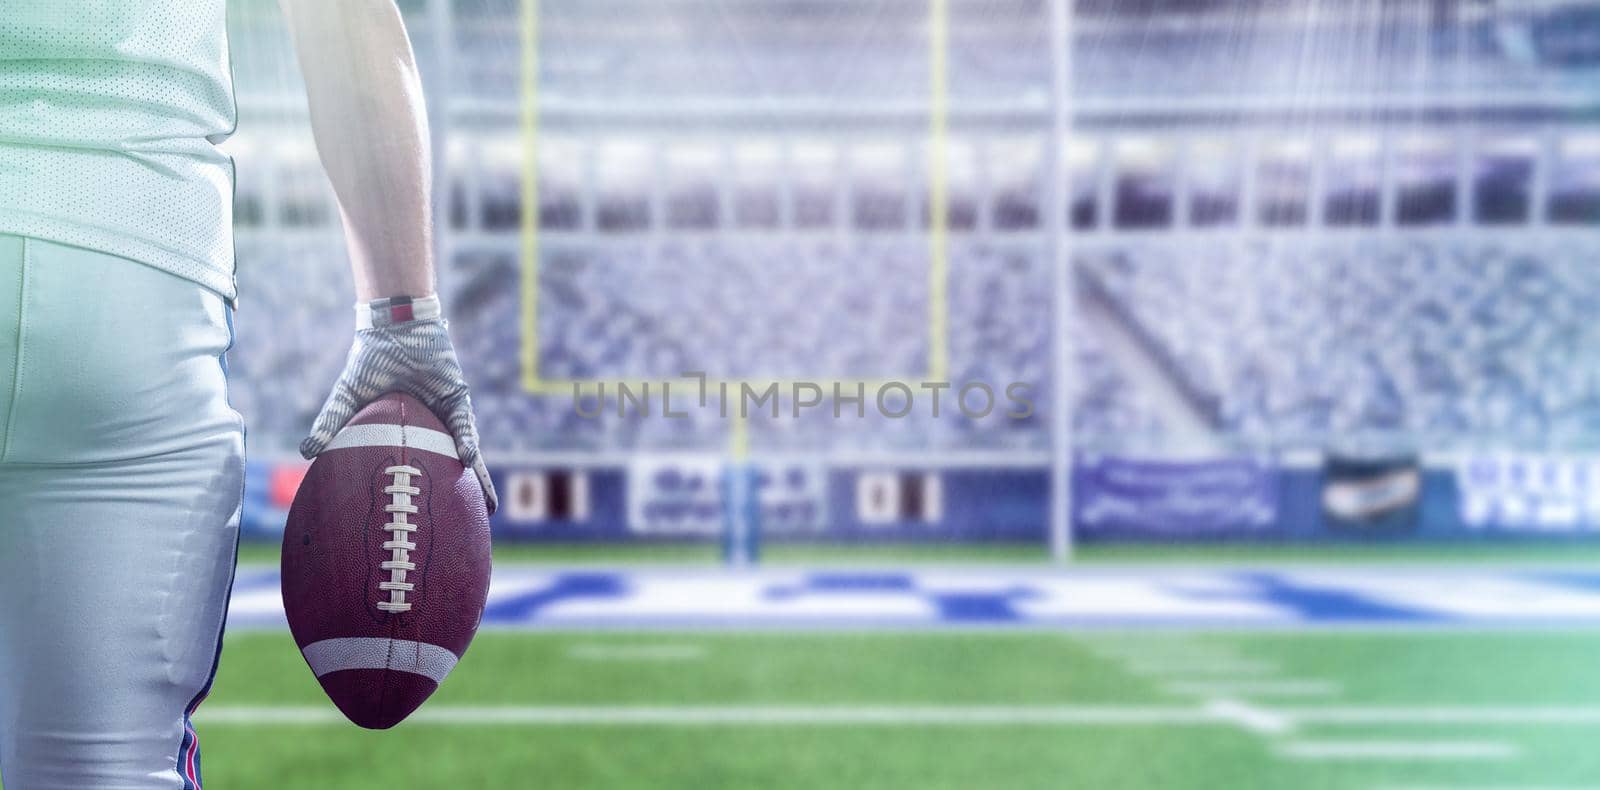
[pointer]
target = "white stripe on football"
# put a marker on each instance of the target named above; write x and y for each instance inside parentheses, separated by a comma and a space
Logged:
(420, 658)
(385, 435)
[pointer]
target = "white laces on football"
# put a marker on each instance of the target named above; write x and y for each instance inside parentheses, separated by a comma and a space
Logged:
(399, 546)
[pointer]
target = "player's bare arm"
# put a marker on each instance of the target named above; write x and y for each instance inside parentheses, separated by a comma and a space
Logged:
(369, 121)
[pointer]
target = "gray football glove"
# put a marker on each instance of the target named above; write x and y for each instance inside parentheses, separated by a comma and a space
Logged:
(402, 345)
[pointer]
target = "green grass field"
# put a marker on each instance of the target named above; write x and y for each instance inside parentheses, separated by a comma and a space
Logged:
(950, 709)
(1019, 554)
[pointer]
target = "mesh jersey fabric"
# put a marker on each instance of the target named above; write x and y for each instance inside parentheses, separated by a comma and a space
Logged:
(110, 112)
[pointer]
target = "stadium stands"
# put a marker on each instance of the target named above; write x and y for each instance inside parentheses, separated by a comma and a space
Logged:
(1268, 337)
(611, 312)
(293, 327)
(1291, 341)
(1193, 54)
(1275, 339)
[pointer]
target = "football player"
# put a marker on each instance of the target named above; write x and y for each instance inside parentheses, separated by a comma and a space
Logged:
(121, 462)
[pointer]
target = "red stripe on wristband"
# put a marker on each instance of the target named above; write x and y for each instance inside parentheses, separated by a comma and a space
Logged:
(396, 310)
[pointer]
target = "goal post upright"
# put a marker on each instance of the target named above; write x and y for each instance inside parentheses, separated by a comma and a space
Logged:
(742, 529)
(741, 508)
(1065, 301)
(938, 188)
(528, 106)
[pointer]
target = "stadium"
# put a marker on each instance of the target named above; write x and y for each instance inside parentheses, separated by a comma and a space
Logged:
(973, 393)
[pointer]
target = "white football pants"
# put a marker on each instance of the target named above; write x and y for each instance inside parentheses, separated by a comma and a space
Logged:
(121, 473)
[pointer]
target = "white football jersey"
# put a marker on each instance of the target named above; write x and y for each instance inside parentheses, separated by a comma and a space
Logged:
(110, 111)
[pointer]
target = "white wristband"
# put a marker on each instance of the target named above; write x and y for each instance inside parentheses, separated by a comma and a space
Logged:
(392, 310)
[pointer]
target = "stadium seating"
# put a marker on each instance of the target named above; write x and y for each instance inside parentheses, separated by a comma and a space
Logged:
(1274, 339)
(1271, 338)
(293, 327)
(1277, 59)
(612, 312)
(1298, 341)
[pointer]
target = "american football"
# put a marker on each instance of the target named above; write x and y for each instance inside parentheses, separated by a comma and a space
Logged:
(386, 562)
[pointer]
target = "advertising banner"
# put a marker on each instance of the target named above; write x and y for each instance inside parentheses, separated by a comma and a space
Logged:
(1529, 493)
(1371, 496)
(1123, 497)
(675, 496)
(684, 496)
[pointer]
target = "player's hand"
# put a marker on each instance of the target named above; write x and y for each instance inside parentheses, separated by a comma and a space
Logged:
(402, 345)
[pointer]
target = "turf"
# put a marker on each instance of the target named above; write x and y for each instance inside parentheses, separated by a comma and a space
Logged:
(1019, 554)
(1396, 674)
(1395, 671)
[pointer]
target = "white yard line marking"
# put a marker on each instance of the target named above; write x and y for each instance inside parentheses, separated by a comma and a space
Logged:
(1487, 787)
(1396, 750)
(1222, 712)
(1174, 663)
(1256, 688)
(661, 652)
(1250, 717)
(1186, 651)
(1186, 668)
(1460, 714)
(1176, 654)
(848, 716)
